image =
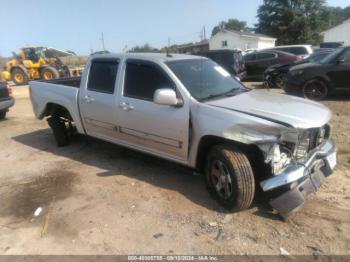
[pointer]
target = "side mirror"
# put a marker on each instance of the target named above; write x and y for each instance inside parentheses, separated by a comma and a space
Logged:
(167, 97)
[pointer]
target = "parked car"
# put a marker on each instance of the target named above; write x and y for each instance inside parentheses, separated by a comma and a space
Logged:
(231, 60)
(299, 50)
(6, 99)
(275, 75)
(256, 63)
(189, 110)
(331, 44)
(317, 80)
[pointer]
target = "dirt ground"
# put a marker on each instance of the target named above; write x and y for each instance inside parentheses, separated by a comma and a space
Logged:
(98, 198)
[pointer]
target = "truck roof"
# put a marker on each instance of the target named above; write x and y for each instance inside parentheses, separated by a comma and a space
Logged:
(155, 57)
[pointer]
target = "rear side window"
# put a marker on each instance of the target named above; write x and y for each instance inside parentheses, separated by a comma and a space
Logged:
(250, 57)
(298, 50)
(265, 56)
(102, 76)
(143, 79)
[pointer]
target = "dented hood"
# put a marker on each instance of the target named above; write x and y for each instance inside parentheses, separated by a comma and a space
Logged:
(284, 109)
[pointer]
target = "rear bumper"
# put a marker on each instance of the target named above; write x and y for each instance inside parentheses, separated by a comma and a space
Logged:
(290, 190)
(6, 103)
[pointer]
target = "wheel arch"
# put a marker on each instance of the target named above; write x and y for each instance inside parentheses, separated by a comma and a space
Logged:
(252, 151)
(53, 109)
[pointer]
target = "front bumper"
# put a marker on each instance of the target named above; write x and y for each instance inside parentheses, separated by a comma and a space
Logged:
(290, 190)
(6, 103)
(293, 84)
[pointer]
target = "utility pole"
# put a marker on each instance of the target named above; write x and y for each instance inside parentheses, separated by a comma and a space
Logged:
(103, 42)
(205, 35)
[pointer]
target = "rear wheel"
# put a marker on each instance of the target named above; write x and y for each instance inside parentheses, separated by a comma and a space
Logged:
(2, 115)
(49, 73)
(315, 90)
(19, 77)
(230, 177)
(60, 131)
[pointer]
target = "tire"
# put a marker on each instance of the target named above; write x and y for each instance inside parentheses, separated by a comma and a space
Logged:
(315, 89)
(2, 115)
(59, 130)
(19, 77)
(49, 73)
(227, 164)
(280, 80)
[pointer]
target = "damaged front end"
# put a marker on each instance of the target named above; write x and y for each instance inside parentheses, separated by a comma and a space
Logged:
(300, 161)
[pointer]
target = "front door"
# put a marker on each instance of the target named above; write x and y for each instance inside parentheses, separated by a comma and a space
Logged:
(159, 129)
(340, 73)
(98, 100)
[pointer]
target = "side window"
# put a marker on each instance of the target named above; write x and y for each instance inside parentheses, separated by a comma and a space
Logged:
(224, 43)
(298, 50)
(143, 79)
(249, 57)
(102, 76)
(265, 56)
(346, 56)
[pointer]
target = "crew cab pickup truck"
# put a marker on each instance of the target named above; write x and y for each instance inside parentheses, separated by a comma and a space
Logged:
(189, 110)
(6, 99)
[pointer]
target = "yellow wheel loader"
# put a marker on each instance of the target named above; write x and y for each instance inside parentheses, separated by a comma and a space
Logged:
(34, 63)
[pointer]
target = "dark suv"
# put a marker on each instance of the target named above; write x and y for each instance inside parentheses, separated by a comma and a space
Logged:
(316, 80)
(231, 60)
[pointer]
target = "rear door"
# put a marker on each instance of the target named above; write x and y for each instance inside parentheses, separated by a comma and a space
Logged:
(265, 60)
(251, 64)
(340, 71)
(97, 99)
(159, 129)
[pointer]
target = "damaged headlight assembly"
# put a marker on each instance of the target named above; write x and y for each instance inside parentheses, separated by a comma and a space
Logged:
(279, 157)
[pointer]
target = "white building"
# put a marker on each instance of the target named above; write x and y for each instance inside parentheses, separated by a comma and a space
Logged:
(231, 39)
(339, 33)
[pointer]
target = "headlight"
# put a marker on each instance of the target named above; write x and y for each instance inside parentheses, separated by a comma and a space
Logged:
(279, 158)
(297, 72)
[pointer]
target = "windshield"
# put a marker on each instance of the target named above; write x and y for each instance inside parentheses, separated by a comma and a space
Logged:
(329, 59)
(205, 79)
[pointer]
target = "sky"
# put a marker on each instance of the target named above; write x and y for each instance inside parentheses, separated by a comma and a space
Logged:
(77, 24)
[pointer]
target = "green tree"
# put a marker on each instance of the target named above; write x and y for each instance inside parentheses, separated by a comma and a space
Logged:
(144, 48)
(292, 21)
(232, 24)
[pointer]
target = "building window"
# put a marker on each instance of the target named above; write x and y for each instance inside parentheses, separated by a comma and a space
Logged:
(224, 43)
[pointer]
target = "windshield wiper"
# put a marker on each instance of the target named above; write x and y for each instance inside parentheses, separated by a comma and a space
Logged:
(232, 92)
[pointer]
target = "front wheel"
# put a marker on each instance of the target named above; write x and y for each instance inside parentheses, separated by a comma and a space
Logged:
(315, 90)
(19, 77)
(280, 80)
(230, 177)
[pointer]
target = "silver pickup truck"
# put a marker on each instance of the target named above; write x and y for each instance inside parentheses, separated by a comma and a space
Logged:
(188, 109)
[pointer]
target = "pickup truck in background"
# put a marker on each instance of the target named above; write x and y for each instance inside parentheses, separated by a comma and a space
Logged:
(6, 99)
(189, 110)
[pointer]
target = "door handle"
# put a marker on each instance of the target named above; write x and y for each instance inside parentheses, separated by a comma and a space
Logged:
(126, 106)
(88, 99)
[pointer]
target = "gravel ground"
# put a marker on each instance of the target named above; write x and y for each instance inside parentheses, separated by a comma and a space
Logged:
(98, 198)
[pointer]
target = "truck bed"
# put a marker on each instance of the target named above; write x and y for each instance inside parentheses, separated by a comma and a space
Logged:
(67, 81)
